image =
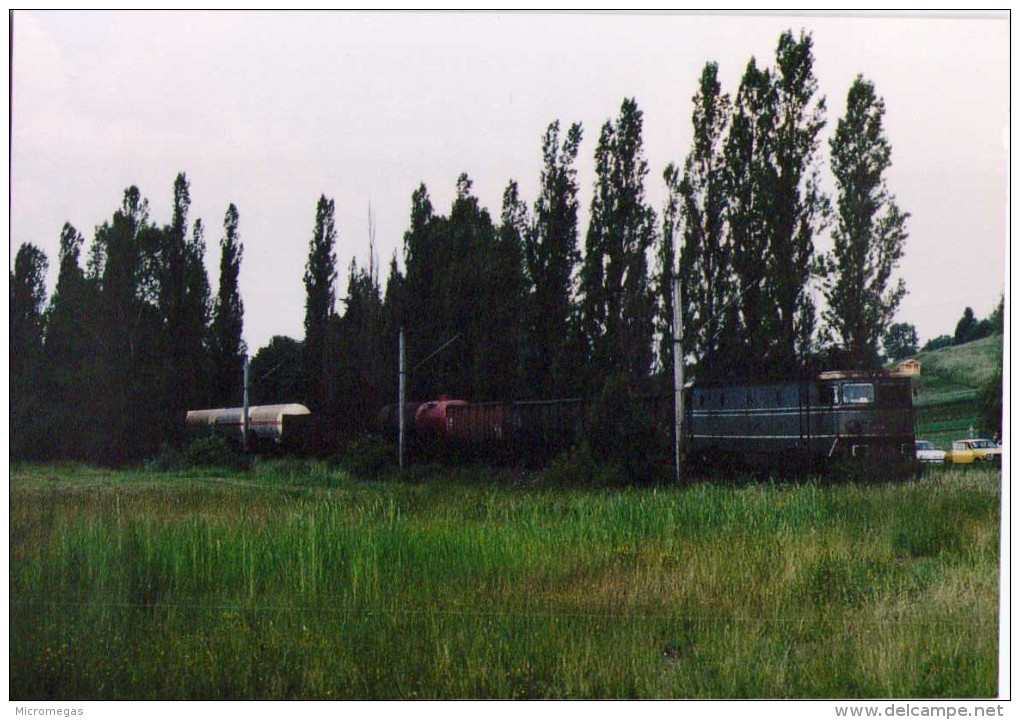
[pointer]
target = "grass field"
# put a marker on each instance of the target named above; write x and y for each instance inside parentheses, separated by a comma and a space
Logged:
(296, 581)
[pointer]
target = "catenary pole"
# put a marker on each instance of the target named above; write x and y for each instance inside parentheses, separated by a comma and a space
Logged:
(678, 373)
(244, 417)
(402, 400)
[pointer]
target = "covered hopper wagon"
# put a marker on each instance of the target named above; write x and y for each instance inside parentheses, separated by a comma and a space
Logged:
(270, 427)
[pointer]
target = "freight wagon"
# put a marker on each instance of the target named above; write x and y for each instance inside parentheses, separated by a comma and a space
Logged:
(270, 427)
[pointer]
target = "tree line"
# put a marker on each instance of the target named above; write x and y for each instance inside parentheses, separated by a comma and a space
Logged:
(901, 340)
(105, 370)
(517, 306)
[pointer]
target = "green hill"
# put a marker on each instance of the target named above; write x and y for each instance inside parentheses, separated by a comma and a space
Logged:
(962, 366)
(947, 391)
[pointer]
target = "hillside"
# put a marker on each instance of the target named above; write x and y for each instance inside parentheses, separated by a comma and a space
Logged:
(960, 367)
(947, 390)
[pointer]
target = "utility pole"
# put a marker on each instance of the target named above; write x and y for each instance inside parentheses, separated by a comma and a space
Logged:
(403, 398)
(402, 403)
(678, 373)
(244, 417)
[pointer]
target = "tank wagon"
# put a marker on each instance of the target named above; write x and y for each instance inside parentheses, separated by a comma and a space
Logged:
(500, 431)
(270, 427)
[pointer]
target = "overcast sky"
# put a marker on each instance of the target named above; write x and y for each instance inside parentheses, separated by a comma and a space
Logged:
(270, 110)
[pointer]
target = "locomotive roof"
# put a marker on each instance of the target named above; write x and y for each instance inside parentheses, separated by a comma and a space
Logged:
(826, 375)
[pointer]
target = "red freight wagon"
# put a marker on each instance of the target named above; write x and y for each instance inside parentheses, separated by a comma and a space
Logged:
(432, 420)
(476, 424)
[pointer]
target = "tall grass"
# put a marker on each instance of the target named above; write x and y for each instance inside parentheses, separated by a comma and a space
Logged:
(296, 581)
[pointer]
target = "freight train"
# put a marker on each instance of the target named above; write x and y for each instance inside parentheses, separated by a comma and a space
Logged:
(806, 423)
(803, 423)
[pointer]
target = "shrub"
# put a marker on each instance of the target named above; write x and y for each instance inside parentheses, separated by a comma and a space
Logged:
(621, 432)
(990, 403)
(576, 467)
(212, 451)
(215, 451)
(168, 459)
(937, 343)
(368, 458)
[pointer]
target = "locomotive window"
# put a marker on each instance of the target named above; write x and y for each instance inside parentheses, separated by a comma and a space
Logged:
(859, 394)
(828, 395)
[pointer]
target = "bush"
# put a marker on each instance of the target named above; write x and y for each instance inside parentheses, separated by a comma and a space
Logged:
(990, 403)
(215, 451)
(212, 451)
(570, 469)
(368, 458)
(168, 459)
(937, 343)
(620, 432)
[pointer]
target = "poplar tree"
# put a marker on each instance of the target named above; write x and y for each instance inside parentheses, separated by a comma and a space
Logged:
(422, 296)
(776, 208)
(70, 347)
(394, 316)
(706, 253)
(869, 234)
(797, 208)
(130, 365)
(617, 305)
(27, 290)
(320, 298)
(174, 275)
(749, 178)
(472, 368)
(355, 360)
(510, 292)
(65, 323)
(228, 349)
(551, 257)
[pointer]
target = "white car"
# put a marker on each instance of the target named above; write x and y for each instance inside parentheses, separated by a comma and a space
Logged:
(928, 453)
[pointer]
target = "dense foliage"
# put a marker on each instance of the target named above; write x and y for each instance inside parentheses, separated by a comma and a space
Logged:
(127, 337)
(900, 341)
(492, 308)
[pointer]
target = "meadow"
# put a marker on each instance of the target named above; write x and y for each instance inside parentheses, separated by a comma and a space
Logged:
(296, 580)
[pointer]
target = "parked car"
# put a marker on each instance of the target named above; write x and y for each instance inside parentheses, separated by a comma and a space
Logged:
(965, 452)
(928, 453)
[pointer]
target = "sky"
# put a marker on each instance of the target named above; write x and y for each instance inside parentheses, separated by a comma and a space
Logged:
(271, 110)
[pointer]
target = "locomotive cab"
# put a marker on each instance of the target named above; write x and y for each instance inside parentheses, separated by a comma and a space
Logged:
(869, 416)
